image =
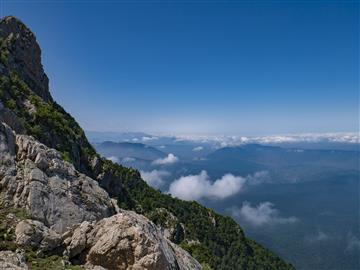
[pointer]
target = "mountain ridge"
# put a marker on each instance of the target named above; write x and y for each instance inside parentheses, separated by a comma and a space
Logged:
(127, 149)
(28, 108)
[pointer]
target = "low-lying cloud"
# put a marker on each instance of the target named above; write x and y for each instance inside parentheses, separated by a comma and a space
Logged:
(198, 148)
(154, 178)
(195, 187)
(263, 213)
(146, 138)
(169, 159)
(199, 186)
(113, 159)
(228, 141)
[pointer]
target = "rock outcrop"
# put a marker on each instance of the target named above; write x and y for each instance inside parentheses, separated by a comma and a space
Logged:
(71, 214)
(34, 177)
(126, 241)
(34, 233)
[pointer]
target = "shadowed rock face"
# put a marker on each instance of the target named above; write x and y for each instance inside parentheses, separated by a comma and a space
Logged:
(25, 55)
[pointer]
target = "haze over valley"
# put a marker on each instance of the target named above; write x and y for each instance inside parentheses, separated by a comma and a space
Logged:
(293, 193)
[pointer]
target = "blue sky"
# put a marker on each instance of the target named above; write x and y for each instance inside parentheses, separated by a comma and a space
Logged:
(252, 68)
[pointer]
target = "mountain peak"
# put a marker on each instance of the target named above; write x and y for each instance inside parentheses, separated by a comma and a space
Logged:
(23, 55)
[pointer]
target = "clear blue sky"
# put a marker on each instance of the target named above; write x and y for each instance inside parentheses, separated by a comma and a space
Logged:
(201, 67)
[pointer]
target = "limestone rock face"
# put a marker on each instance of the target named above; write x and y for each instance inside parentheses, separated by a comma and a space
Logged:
(126, 241)
(12, 260)
(25, 55)
(35, 234)
(34, 177)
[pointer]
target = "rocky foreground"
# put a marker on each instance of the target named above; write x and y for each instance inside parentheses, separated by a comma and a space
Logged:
(72, 216)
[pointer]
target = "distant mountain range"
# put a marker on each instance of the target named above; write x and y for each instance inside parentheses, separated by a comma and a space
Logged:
(98, 136)
(123, 150)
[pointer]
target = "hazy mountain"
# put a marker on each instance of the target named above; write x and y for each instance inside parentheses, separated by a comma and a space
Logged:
(98, 136)
(128, 150)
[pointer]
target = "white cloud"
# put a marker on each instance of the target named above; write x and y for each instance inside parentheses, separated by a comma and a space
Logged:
(146, 139)
(154, 178)
(162, 146)
(170, 159)
(264, 213)
(198, 148)
(128, 159)
(228, 141)
(113, 159)
(195, 187)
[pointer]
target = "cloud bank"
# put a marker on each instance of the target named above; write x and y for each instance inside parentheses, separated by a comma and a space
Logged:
(195, 187)
(170, 159)
(224, 141)
(264, 213)
(198, 148)
(154, 178)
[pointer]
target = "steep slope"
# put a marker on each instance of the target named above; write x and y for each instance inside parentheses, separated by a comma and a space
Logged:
(216, 241)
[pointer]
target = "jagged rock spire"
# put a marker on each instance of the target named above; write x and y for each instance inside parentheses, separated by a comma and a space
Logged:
(24, 55)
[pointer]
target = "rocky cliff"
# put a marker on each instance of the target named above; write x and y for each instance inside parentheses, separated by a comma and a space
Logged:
(62, 205)
(24, 56)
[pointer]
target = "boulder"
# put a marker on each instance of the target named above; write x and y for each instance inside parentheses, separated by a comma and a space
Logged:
(35, 234)
(125, 241)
